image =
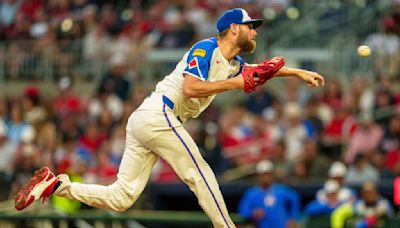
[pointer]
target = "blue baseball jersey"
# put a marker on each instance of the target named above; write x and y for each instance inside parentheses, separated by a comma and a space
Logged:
(280, 203)
(204, 61)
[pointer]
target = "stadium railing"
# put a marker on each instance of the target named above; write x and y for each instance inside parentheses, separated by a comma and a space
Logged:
(147, 218)
(325, 222)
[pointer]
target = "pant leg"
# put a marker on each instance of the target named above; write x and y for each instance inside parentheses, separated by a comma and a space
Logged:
(133, 174)
(175, 145)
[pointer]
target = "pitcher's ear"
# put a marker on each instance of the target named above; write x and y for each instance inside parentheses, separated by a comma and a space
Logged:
(235, 28)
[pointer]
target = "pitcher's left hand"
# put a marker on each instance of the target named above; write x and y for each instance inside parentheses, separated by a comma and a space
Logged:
(313, 79)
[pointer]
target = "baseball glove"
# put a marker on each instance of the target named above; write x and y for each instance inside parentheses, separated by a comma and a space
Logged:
(263, 71)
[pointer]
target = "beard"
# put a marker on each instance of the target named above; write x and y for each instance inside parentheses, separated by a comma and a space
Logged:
(245, 44)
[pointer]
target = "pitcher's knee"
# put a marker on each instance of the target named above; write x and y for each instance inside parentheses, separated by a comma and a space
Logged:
(120, 204)
(122, 207)
(121, 199)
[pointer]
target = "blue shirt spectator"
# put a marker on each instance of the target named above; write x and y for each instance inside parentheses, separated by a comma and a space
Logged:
(325, 207)
(259, 100)
(269, 204)
(115, 81)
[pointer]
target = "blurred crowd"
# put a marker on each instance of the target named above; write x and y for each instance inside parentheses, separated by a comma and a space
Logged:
(301, 131)
(304, 132)
(59, 35)
(272, 204)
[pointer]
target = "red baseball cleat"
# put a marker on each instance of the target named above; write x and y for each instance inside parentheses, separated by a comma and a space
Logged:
(40, 185)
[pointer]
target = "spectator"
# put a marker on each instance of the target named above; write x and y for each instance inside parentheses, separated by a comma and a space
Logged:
(8, 11)
(27, 149)
(359, 98)
(117, 143)
(366, 138)
(69, 152)
(58, 10)
(115, 81)
(275, 129)
(368, 211)
(259, 100)
(176, 32)
(295, 132)
(361, 171)
(258, 144)
(390, 141)
(316, 163)
(234, 133)
(294, 92)
(299, 170)
(105, 99)
(119, 44)
(34, 113)
(317, 207)
(269, 204)
(40, 25)
(20, 29)
(392, 163)
(106, 171)
(30, 7)
(384, 101)
(92, 137)
(282, 165)
(95, 53)
(333, 94)
(338, 172)
(48, 142)
(385, 45)
(337, 132)
(105, 121)
(67, 102)
(67, 107)
(89, 17)
(312, 120)
(16, 126)
(203, 19)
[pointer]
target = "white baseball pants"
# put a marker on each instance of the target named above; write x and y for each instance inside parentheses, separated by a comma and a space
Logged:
(153, 131)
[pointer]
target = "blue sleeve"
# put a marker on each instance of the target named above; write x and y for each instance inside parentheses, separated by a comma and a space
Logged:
(199, 58)
(293, 203)
(246, 204)
(316, 208)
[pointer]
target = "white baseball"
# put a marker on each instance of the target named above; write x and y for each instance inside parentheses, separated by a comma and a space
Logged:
(364, 51)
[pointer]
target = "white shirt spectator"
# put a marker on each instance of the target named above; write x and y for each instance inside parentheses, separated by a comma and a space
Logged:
(357, 176)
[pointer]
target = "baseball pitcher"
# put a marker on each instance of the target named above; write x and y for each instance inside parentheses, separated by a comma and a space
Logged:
(155, 129)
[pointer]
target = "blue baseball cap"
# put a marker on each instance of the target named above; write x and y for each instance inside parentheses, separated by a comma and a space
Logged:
(236, 16)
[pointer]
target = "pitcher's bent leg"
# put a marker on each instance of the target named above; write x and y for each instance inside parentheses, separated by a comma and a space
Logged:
(134, 171)
(181, 152)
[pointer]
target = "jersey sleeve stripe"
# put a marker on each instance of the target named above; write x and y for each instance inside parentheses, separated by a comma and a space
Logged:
(196, 76)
